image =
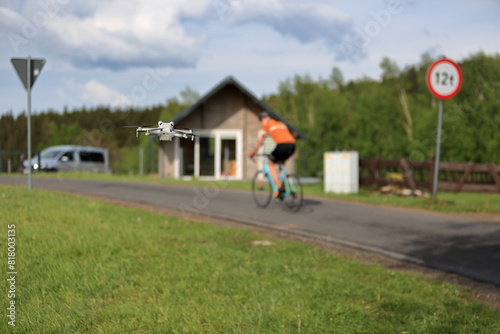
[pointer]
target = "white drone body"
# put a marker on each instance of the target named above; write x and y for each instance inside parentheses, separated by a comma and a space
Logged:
(165, 131)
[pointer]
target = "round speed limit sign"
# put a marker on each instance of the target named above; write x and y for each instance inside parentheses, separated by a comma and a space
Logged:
(444, 78)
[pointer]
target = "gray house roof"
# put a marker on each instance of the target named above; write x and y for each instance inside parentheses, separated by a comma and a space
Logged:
(228, 81)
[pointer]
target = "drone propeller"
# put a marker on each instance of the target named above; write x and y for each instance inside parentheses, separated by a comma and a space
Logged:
(138, 126)
(142, 128)
(149, 129)
(132, 127)
(188, 129)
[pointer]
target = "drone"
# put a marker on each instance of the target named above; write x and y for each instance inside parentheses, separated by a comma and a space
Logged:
(165, 131)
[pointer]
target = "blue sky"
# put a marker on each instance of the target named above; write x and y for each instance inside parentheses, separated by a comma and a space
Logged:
(143, 52)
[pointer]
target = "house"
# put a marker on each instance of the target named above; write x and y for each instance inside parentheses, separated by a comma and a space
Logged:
(227, 124)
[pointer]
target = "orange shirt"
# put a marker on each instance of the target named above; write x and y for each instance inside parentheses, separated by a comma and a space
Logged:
(279, 132)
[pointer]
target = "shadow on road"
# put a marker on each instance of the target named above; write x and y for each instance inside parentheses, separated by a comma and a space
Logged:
(308, 205)
(471, 256)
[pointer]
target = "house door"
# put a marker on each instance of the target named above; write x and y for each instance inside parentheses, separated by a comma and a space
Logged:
(214, 154)
(186, 158)
(207, 156)
(229, 166)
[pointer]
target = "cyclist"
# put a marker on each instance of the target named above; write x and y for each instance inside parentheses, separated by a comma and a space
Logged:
(285, 144)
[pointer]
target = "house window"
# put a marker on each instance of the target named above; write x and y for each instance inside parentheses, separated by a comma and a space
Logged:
(213, 154)
(266, 149)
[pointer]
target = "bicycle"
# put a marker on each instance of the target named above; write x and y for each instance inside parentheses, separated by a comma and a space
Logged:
(263, 187)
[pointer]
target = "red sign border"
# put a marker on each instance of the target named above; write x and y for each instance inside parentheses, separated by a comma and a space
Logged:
(428, 78)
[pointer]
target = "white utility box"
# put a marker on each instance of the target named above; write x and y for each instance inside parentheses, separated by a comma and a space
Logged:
(341, 172)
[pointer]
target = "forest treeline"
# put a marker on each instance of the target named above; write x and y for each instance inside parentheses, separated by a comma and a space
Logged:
(101, 126)
(393, 117)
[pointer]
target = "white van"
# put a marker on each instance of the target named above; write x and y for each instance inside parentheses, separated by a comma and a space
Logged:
(66, 158)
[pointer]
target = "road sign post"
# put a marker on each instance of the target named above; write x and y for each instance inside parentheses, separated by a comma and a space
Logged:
(28, 70)
(444, 79)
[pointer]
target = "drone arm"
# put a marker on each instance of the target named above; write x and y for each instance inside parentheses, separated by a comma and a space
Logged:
(184, 135)
(181, 135)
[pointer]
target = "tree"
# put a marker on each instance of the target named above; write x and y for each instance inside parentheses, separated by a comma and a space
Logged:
(395, 117)
(189, 96)
(389, 68)
(336, 78)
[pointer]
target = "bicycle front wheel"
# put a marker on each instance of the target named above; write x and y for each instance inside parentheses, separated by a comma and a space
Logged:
(294, 193)
(262, 190)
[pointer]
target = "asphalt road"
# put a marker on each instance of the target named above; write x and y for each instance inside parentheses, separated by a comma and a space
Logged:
(447, 242)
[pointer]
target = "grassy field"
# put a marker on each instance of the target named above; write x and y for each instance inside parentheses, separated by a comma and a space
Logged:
(85, 266)
(447, 202)
(465, 202)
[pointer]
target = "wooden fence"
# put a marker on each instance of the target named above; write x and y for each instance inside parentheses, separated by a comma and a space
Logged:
(453, 176)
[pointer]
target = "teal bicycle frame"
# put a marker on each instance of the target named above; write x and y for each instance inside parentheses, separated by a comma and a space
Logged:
(263, 188)
(289, 185)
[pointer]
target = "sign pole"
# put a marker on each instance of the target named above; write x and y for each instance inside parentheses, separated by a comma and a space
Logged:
(28, 70)
(438, 149)
(28, 88)
(444, 79)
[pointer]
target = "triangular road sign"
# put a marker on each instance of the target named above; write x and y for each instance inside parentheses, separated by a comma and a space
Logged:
(21, 66)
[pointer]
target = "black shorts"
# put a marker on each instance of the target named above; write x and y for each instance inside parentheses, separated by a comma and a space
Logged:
(282, 152)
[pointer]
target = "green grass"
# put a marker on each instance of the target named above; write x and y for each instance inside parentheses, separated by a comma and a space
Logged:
(86, 266)
(462, 202)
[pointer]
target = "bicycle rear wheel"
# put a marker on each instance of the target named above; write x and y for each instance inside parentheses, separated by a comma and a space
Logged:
(262, 190)
(294, 195)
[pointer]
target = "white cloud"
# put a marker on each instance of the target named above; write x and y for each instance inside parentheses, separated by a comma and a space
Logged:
(115, 34)
(149, 50)
(121, 34)
(306, 21)
(96, 93)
